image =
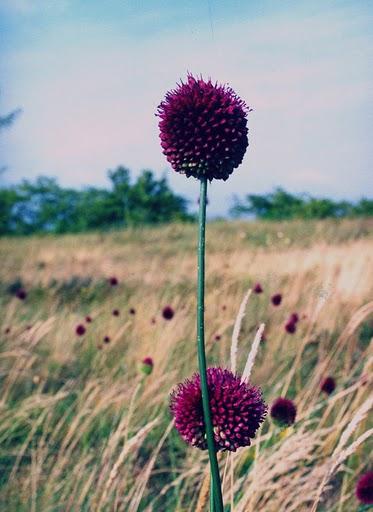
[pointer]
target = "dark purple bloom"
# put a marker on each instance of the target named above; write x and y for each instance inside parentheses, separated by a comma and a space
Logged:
(113, 281)
(168, 313)
(217, 337)
(294, 317)
(115, 312)
(290, 327)
(203, 129)
(107, 339)
(80, 330)
(258, 288)
(364, 488)
(132, 311)
(147, 365)
(283, 412)
(237, 410)
(88, 319)
(21, 294)
(276, 299)
(328, 385)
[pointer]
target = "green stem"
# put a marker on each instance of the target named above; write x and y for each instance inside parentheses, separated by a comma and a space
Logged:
(215, 475)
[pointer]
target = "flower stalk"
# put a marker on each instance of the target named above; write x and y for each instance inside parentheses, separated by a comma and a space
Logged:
(214, 467)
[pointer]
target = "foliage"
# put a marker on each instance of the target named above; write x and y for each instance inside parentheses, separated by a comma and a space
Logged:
(281, 205)
(45, 206)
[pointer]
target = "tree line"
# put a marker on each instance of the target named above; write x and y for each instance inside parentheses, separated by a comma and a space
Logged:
(44, 206)
(281, 205)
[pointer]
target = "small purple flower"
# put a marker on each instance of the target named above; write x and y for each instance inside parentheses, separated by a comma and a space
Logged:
(258, 288)
(283, 412)
(294, 317)
(80, 330)
(364, 488)
(203, 129)
(168, 313)
(88, 319)
(147, 365)
(107, 339)
(113, 281)
(115, 312)
(21, 294)
(132, 311)
(290, 327)
(237, 410)
(328, 385)
(276, 299)
(217, 337)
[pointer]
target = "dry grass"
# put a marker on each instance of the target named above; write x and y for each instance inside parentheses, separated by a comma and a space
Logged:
(82, 430)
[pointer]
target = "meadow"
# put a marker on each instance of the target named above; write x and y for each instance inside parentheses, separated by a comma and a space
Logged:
(82, 428)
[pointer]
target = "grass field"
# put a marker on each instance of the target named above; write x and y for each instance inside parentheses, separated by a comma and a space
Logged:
(82, 429)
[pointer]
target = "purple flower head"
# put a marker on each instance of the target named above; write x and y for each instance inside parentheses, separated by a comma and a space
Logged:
(258, 288)
(88, 319)
(364, 488)
(276, 299)
(290, 327)
(203, 129)
(217, 337)
(168, 313)
(294, 317)
(115, 312)
(80, 330)
(132, 311)
(107, 339)
(147, 365)
(328, 385)
(113, 281)
(237, 410)
(21, 294)
(283, 412)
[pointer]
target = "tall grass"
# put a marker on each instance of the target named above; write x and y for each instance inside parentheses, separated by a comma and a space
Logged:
(81, 429)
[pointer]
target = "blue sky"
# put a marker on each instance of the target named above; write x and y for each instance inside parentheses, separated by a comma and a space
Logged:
(90, 74)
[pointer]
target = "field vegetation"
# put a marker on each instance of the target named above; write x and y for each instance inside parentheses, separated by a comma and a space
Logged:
(82, 428)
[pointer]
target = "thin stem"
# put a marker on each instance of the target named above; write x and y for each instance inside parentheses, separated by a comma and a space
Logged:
(215, 475)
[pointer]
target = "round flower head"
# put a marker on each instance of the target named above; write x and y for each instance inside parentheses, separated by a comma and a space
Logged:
(290, 327)
(283, 412)
(80, 330)
(294, 317)
(237, 410)
(88, 319)
(203, 129)
(107, 339)
(132, 311)
(364, 488)
(327, 385)
(21, 294)
(276, 299)
(258, 288)
(168, 313)
(115, 312)
(113, 281)
(147, 365)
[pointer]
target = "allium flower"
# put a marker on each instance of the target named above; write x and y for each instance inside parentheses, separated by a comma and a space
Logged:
(88, 319)
(258, 288)
(203, 129)
(113, 281)
(364, 488)
(283, 412)
(132, 311)
(217, 337)
(115, 312)
(80, 330)
(107, 339)
(294, 317)
(290, 327)
(276, 299)
(168, 313)
(21, 294)
(328, 385)
(237, 410)
(147, 365)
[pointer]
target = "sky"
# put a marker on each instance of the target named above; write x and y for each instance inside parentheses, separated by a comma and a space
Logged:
(89, 75)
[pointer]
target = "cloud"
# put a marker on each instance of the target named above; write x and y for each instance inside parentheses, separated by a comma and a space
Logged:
(89, 92)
